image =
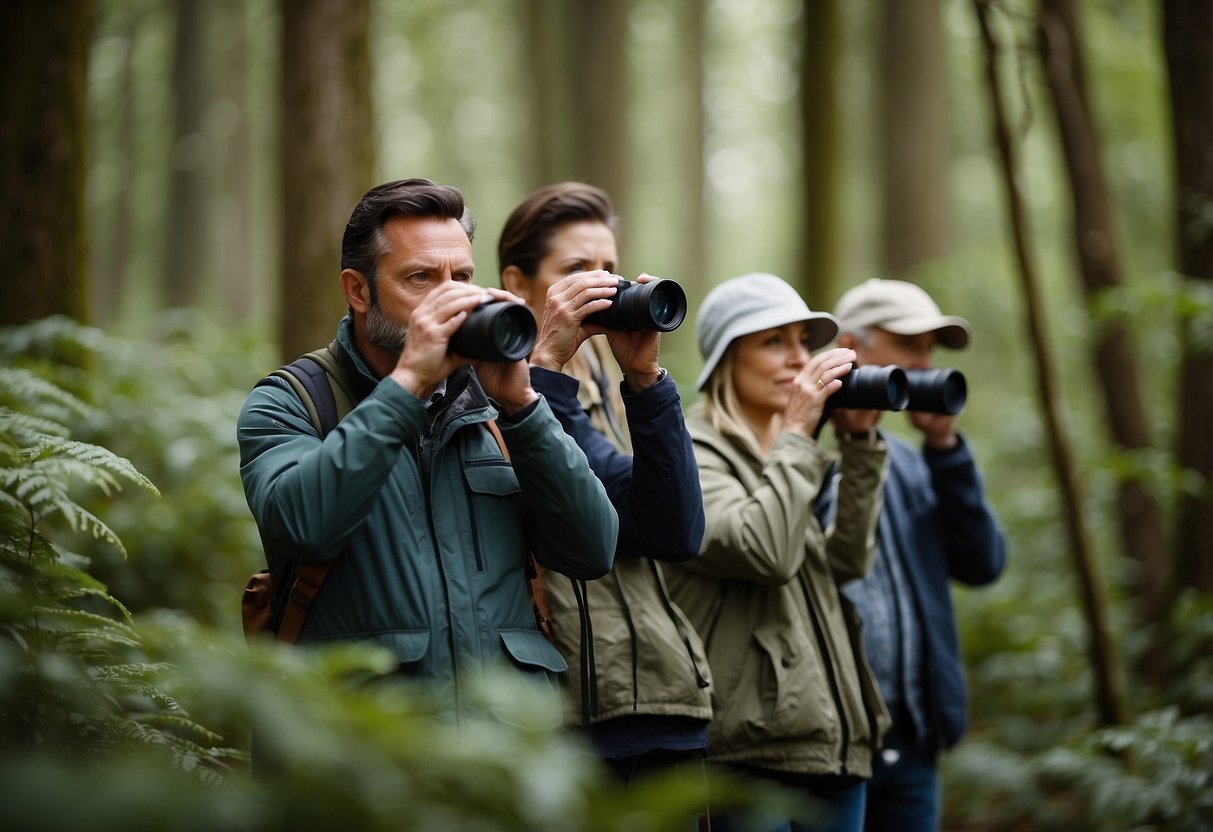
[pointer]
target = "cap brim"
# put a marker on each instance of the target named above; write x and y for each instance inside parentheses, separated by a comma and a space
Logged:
(823, 328)
(951, 331)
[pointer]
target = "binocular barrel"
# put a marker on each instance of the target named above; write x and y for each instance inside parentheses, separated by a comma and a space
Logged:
(873, 388)
(937, 390)
(658, 305)
(497, 330)
(893, 388)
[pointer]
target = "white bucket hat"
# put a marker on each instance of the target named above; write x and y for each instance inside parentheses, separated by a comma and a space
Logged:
(748, 304)
(901, 308)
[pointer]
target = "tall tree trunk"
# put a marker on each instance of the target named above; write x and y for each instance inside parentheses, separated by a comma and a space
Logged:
(187, 241)
(693, 17)
(43, 152)
(913, 127)
(1142, 529)
(112, 258)
(1105, 660)
(544, 33)
(598, 67)
(1188, 37)
(821, 151)
(232, 206)
(327, 157)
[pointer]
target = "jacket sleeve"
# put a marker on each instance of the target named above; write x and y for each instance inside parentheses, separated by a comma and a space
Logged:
(975, 543)
(656, 490)
(308, 494)
(761, 536)
(574, 525)
(851, 537)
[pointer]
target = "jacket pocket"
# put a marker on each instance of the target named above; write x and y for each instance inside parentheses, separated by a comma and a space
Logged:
(409, 646)
(789, 698)
(530, 650)
(495, 506)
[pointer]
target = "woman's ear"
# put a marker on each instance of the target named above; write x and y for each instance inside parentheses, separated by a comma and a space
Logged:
(356, 290)
(517, 283)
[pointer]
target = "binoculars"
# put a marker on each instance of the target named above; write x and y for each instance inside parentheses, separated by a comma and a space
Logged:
(496, 330)
(659, 305)
(893, 388)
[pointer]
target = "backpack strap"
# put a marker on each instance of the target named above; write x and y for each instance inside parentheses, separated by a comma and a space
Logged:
(534, 572)
(321, 382)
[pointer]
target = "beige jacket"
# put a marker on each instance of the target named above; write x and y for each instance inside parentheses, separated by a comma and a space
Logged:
(792, 690)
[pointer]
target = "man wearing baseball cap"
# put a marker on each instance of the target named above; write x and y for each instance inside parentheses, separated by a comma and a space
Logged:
(935, 525)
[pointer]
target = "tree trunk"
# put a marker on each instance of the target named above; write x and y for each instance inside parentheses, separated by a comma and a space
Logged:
(597, 65)
(43, 153)
(692, 15)
(913, 130)
(821, 152)
(327, 158)
(1105, 661)
(1142, 530)
(544, 31)
(1188, 37)
(187, 248)
(232, 206)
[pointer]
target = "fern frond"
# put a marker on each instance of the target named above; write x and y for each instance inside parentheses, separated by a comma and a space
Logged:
(99, 593)
(28, 428)
(95, 457)
(20, 387)
(182, 723)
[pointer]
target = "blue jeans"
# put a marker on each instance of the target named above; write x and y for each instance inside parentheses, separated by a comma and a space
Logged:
(903, 793)
(837, 802)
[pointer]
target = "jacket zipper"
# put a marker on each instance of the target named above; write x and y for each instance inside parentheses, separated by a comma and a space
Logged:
(714, 616)
(669, 609)
(828, 660)
(627, 616)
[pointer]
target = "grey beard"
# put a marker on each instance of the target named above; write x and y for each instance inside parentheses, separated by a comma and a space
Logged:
(383, 333)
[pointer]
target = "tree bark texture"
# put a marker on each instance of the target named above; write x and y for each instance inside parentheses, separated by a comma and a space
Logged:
(43, 153)
(186, 265)
(912, 127)
(544, 30)
(1105, 660)
(1188, 40)
(233, 198)
(693, 15)
(597, 66)
(327, 157)
(821, 151)
(1142, 528)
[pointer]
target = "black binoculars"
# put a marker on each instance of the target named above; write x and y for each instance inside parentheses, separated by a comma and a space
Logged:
(496, 330)
(893, 388)
(658, 305)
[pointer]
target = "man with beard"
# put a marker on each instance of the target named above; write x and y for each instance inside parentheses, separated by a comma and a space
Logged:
(425, 520)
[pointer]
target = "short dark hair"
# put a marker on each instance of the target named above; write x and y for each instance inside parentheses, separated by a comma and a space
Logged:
(525, 239)
(363, 242)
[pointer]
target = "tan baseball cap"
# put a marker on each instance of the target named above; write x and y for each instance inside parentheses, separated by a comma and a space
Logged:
(748, 304)
(901, 308)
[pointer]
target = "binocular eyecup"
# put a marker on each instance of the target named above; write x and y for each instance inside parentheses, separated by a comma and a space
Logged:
(496, 330)
(659, 305)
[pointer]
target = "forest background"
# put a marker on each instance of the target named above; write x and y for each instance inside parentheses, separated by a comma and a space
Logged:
(175, 178)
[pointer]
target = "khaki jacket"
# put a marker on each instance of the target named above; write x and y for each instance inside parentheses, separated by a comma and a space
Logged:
(648, 660)
(792, 689)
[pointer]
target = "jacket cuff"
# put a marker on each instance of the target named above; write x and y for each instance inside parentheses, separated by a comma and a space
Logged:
(654, 399)
(407, 406)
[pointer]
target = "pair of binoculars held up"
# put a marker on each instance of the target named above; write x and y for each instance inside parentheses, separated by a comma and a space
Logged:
(501, 330)
(894, 388)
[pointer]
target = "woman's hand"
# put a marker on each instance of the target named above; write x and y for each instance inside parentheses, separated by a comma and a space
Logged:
(638, 352)
(568, 303)
(813, 386)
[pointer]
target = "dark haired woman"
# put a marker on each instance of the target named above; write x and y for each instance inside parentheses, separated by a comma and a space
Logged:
(637, 678)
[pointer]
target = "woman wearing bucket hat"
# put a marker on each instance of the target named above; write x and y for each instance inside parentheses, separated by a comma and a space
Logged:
(794, 701)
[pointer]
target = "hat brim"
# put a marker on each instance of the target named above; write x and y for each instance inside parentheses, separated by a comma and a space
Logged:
(823, 328)
(951, 331)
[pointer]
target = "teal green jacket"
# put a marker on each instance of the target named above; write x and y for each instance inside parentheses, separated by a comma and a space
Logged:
(428, 522)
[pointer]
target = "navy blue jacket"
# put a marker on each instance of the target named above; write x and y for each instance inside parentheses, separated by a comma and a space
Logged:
(945, 530)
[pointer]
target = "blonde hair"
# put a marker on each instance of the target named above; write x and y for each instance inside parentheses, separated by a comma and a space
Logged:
(722, 407)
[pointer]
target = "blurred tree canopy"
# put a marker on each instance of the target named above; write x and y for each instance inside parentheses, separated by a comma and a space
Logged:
(177, 175)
